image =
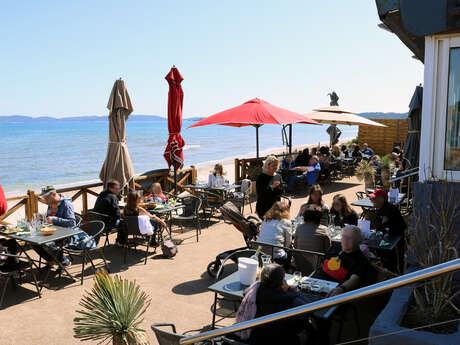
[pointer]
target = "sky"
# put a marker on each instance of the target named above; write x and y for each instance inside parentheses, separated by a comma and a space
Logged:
(61, 58)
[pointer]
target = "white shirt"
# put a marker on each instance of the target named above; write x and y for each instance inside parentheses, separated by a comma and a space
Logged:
(215, 180)
(277, 232)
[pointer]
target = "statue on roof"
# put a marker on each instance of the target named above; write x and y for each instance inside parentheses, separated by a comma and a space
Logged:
(334, 99)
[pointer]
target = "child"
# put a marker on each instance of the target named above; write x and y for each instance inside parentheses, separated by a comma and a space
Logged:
(157, 193)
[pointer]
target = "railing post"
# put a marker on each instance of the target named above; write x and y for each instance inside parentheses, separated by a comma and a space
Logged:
(31, 206)
(237, 170)
(84, 202)
(194, 173)
(243, 169)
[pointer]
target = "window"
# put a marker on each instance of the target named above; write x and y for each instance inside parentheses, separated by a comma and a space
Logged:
(452, 148)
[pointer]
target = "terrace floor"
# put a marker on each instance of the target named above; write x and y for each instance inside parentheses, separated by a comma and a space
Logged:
(177, 287)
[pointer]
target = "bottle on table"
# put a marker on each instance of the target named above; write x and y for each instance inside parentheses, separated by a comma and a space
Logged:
(258, 257)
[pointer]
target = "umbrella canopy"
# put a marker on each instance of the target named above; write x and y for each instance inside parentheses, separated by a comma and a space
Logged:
(334, 134)
(412, 143)
(173, 152)
(117, 164)
(255, 112)
(332, 115)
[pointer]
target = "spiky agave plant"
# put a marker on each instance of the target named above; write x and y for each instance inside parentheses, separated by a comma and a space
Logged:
(113, 310)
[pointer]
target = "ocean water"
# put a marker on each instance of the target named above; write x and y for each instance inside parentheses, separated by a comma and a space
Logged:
(35, 154)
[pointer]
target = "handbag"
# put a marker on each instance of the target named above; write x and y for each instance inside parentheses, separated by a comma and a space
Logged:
(168, 248)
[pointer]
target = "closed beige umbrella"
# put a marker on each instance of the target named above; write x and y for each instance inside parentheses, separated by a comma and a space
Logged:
(117, 163)
(337, 116)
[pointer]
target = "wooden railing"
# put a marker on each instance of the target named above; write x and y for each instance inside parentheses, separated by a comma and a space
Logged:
(250, 168)
(30, 201)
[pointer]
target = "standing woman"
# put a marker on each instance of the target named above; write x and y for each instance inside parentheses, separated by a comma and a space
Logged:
(343, 212)
(268, 186)
(316, 199)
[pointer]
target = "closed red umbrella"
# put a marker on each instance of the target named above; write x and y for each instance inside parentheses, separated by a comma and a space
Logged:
(255, 112)
(173, 152)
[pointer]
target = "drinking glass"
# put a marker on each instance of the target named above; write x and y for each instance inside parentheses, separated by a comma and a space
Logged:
(297, 276)
(266, 259)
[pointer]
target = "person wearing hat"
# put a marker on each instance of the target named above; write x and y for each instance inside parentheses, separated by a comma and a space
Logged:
(390, 221)
(60, 208)
(60, 212)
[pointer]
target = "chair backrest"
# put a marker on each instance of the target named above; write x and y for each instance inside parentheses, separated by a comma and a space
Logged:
(131, 224)
(192, 205)
(306, 261)
(166, 338)
(246, 186)
(243, 253)
(361, 195)
(93, 228)
(78, 220)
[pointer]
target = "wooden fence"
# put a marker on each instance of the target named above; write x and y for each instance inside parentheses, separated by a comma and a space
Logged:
(30, 201)
(381, 139)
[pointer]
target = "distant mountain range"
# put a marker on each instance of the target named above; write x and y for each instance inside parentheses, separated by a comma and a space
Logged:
(21, 118)
(137, 117)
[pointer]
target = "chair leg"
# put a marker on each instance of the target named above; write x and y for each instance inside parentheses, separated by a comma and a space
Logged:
(4, 291)
(83, 259)
(105, 261)
(91, 261)
(149, 238)
(250, 205)
(197, 228)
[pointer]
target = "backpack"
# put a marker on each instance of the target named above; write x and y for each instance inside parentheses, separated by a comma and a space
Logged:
(168, 248)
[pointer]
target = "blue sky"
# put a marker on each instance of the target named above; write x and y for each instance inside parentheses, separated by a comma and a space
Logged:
(60, 58)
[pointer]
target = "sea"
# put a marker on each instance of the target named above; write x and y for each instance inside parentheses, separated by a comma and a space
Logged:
(35, 154)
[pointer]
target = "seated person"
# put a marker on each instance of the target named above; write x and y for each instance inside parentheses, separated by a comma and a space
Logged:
(336, 153)
(324, 150)
(269, 296)
(9, 246)
(156, 194)
(347, 266)
(303, 158)
(60, 212)
(216, 177)
(3, 203)
(316, 198)
(343, 212)
(276, 229)
(311, 235)
(356, 153)
(310, 173)
(389, 218)
(345, 151)
(367, 150)
(287, 163)
(132, 208)
(107, 203)
(390, 221)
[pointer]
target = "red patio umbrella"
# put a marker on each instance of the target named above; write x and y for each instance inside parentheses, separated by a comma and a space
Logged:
(173, 152)
(255, 112)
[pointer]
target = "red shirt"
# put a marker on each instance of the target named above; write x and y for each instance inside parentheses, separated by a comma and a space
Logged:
(3, 204)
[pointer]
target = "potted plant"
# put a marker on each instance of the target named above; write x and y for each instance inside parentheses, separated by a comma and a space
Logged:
(385, 165)
(433, 239)
(365, 171)
(113, 310)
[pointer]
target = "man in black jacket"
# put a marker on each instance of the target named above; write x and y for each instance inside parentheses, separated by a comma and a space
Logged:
(107, 202)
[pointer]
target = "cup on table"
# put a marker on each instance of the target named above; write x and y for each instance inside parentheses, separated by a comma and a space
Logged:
(297, 276)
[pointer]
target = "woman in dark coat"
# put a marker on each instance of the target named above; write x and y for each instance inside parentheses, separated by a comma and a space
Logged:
(268, 186)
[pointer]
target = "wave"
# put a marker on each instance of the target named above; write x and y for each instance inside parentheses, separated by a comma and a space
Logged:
(191, 147)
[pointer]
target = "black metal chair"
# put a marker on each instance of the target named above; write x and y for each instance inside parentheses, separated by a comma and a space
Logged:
(166, 337)
(109, 223)
(306, 261)
(243, 196)
(130, 226)
(361, 195)
(210, 202)
(15, 273)
(78, 220)
(94, 229)
(244, 253)
(190, 212)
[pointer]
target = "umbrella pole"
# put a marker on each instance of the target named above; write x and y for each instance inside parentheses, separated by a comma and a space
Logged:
(257, 141)
(175, 180)
(290, 138)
